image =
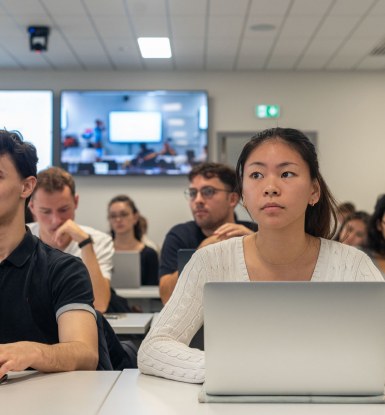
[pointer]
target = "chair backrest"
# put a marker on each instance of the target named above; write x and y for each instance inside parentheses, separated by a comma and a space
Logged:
(104, 355)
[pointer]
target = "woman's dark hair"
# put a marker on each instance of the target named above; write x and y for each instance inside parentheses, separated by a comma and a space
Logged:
(376, 240)
(138, 232)
(358, 215)
(320, 219)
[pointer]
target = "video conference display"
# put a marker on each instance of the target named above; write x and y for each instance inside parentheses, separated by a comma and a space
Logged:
(30, 113)
(153, 132)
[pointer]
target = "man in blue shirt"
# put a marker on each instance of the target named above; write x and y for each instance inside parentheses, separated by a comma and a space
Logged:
(212, 199)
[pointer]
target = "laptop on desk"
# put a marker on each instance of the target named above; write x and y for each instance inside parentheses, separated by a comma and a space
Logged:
(126, 272)
(295, 338)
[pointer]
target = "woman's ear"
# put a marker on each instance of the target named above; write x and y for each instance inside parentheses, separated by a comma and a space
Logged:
(315, 193)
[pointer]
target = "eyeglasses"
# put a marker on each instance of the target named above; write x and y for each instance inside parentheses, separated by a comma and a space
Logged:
(115, 216)
(207, 192)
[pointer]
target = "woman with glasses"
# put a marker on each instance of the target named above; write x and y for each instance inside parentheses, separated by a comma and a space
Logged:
(123, 217)
(283, 191)
(376, 235)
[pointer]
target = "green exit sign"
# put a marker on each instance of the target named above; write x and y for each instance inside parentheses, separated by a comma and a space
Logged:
(267, 111)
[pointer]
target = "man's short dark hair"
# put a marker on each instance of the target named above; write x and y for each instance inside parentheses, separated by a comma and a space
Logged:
(209, 170)
(22, 154)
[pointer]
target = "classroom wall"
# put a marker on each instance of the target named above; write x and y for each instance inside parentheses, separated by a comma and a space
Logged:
(346, 109)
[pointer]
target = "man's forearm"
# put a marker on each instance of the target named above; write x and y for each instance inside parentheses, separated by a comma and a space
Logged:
(63, 357)
(100, 285)
(167, 285)
(59, 357)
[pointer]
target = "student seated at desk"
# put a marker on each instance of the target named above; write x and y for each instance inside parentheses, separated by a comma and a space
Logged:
(354, 229)
(212, 198)
(34, 274)
(376, 235)
(283, 191)
(123, 217)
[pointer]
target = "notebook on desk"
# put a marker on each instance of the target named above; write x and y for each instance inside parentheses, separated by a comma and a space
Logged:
(295, 338)
(126, 272)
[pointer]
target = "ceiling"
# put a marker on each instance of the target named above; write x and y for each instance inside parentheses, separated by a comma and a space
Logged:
(205, 35)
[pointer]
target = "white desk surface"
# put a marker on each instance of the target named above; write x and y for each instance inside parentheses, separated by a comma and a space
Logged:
(34, 393)
(139, 394)
(145, 291)
(130, 323)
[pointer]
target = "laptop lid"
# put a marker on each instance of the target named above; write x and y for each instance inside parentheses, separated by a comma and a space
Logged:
(294, 338)
(184, 256)
(126, 272)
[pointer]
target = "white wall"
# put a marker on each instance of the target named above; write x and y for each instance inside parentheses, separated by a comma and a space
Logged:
(346, 109)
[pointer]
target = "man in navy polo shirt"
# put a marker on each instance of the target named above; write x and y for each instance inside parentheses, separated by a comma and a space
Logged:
(34, 276)
(212, 198)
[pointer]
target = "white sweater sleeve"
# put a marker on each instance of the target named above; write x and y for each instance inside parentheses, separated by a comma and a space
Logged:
(165, 352)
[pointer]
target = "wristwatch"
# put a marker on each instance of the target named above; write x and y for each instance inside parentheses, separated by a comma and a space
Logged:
(87, 241)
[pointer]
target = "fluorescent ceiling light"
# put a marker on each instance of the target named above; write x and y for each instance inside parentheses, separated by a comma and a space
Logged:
(154, 47)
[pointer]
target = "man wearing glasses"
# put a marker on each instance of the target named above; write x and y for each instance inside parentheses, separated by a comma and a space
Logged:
(212, 199)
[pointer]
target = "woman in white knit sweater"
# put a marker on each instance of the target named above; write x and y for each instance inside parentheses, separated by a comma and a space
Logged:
(284, 193)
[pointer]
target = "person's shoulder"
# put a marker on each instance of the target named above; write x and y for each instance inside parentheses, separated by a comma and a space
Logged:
(185, 226)
(250, 225)
(54, 258)
(148, 250)
(340, 250)
(34, 227)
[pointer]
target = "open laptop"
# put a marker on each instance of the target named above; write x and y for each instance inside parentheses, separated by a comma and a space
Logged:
(295, 338)
(126, 272)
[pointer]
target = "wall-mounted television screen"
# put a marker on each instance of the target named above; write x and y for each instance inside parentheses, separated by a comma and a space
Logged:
(157, 132)
(30, 113)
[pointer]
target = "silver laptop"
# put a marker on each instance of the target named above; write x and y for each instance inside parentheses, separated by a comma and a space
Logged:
(295, 338)
(126, 270)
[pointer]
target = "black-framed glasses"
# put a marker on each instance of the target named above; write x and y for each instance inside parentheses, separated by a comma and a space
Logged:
(207, 192)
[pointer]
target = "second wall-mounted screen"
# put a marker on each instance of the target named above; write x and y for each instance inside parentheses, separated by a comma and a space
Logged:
(30, 113)
(153, 132)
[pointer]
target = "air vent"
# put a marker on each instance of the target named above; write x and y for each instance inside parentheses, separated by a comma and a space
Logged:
(379, 50)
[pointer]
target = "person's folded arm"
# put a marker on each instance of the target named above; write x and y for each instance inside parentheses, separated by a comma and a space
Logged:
(167, 285)
(77, 348)
(165, 352)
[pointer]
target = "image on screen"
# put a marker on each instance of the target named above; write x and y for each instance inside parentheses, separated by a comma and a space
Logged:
(30, 113)
(153, 132)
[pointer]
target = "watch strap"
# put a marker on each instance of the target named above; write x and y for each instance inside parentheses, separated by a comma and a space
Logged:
(85, 242)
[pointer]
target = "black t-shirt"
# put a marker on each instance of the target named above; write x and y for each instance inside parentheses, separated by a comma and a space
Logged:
(37, 284)
(149, 263)
(184, 236)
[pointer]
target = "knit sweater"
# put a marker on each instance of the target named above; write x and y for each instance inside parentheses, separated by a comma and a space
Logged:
(165, 352)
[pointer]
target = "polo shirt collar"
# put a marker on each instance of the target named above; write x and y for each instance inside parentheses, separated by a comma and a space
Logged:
(20, 255)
